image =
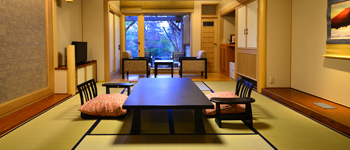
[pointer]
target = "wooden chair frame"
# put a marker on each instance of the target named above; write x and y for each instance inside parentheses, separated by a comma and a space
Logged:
(243, 90)
(88, 91)
(193, 59)
(147, 59)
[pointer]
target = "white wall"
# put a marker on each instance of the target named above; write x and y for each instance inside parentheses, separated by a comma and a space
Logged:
(278, 43)
(311, 72)
(68, 27)
(93, 33)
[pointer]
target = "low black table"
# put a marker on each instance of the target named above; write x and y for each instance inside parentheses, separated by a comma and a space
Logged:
(167, 93)
(117, 85)
(163, 62)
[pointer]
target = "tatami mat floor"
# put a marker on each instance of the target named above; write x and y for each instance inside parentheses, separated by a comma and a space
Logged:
(275, 126)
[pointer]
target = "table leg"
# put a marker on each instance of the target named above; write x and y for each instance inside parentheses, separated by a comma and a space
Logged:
(107, 90)
(171, 121)
(136, 122)
(155, 70)
(128, 90)
(199, 124)
(172, 67)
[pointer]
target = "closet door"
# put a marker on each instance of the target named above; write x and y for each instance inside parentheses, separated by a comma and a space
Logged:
(241, 26)
(252, 25)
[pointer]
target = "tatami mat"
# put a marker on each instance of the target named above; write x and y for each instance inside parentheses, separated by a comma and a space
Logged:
(174, 142)
(286, 128)
(62, 128)
(157, 122)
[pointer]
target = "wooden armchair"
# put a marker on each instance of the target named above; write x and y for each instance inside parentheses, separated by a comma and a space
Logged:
(243, 90)
(137, 65)
(194, 64)
(88, 91)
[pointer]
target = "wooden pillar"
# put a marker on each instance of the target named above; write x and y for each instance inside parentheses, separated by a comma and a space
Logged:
(71, 69)
(261, 45)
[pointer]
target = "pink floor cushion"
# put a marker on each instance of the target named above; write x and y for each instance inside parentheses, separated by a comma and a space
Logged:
(105, 105)
(225, 108)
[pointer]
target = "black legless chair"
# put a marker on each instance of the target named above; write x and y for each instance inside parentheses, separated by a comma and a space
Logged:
(88, 91)
(243, 90)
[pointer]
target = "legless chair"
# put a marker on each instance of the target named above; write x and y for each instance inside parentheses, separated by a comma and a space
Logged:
(243, 90)
(88, 91)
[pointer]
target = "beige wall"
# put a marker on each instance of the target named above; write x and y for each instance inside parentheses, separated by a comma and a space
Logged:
(229, 27)
(93, 33)
(226, 3)
(196, 29)
(311, 72)
(68, 27)
(278, 43)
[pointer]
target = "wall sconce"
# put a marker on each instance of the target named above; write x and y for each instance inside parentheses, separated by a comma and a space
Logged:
(70, 1)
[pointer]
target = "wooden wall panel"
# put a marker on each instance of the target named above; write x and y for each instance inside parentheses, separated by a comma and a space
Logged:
(247, 65)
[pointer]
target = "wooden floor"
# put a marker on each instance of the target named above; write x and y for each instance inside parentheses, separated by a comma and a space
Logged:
(195, 77)
(338, 119)
(15, 119)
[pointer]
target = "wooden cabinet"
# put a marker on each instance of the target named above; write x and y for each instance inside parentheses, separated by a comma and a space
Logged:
(247, 25)
(83, 73)
(227, 55)
(247, 40)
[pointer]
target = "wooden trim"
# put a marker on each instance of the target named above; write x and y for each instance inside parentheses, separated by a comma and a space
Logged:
(261, 66)
(114, 10)
(191, 37)
(114, 47)
(49, 44)
(229, 9)
(54, 33)
(141, 34)
(16, 118)
(17, 103)
(23, 101)
(82, 20)
(106, 40)
(122, 34)
(247, 51)
(71, 71)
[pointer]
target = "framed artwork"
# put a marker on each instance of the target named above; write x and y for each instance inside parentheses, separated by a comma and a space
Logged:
(338, 29)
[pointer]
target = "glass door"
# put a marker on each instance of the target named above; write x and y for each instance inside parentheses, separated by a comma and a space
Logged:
(131, 35)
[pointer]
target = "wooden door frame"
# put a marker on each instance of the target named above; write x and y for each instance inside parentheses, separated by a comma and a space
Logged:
(106, 9)
(217, 25)
(216, 45)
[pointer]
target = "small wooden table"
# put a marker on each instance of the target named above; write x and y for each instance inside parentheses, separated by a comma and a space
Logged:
(167, 93)
(117, 85)
(163, 62)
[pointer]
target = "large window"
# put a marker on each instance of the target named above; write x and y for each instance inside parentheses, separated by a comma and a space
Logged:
(164, 36)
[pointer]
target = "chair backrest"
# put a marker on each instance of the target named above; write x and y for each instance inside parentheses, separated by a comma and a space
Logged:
(127, 55)
(243, 88)
(202, 54)
(87, 91)
(177, 55)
